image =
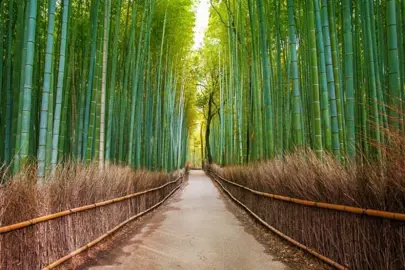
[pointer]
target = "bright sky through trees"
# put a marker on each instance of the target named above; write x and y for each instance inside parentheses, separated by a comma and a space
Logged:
(201, 24)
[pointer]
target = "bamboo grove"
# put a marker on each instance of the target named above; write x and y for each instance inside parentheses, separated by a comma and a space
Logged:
(94, 81)
(322, 74)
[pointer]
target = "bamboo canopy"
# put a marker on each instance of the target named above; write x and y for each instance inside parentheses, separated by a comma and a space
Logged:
(95, 81)
(318, 74)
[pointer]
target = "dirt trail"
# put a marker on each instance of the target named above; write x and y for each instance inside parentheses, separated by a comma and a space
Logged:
(193, 230)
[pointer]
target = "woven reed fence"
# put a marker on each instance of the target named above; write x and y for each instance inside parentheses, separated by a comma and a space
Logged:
(39, 242)
(354, 240)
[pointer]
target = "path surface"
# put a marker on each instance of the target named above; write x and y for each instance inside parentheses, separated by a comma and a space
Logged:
(193, 230)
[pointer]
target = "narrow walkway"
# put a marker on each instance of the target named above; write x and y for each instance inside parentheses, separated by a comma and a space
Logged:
(193, 230)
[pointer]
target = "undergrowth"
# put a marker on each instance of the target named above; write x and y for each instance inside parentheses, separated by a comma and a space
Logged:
(71, 185)
(356, 241)
(373, 184)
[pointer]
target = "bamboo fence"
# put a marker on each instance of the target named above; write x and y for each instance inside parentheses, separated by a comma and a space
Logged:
(36, 243)
(340, 235)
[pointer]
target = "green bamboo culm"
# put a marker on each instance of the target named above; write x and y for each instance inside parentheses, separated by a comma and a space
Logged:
(394, 102)
(317, 132)
(46, 91)
(326, 128)
(59, 87)
(297, 103)
(267, 89)
(349, 78)
(60, 100)
(8, 118)
(112, 94)
(2, 30)
(336, 147)
(104, 81)
(318, 74)
(28, 81)
(112, 82)
(90, 82)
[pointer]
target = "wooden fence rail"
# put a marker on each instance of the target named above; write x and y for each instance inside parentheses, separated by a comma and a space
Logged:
(340, 235)
(37, 220)
(110, 232)
(282, 235)
(337, 207)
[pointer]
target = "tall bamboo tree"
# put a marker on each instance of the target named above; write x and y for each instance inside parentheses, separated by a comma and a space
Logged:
(60, 86)
(46, 90)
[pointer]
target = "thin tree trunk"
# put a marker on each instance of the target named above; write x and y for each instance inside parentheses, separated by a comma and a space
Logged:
(59, 89)
(46, 92)
(107, 8)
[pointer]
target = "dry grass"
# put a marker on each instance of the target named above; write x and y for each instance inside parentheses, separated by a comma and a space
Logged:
(71, 186)
(361, 242)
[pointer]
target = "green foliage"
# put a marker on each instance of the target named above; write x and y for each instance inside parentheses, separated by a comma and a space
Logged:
(68, 69)
(81, 76)
(296, 74)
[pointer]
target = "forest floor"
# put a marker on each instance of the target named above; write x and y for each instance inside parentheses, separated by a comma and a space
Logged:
(198, 228)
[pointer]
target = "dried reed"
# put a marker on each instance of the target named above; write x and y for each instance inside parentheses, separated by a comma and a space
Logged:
(72, 185)
(360, 242)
